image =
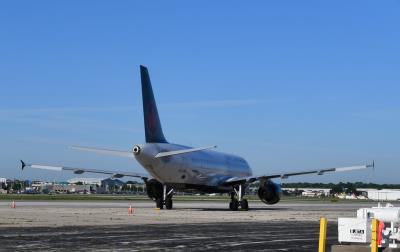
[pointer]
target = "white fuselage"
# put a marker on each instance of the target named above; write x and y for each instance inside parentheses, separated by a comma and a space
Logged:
(201, 168)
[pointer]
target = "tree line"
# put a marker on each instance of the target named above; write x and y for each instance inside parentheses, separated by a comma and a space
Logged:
(344, 185)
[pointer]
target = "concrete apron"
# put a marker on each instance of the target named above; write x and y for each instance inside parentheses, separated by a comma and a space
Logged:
(359, 248)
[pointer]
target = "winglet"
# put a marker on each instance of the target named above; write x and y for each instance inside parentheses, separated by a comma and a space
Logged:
(371, 165)
(22, 164)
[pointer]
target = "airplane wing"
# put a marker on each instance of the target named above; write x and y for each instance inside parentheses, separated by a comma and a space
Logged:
(286, 175)
(114, 174)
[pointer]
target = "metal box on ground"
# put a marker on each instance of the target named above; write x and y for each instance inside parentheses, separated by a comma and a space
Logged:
(385, 214)
(354, 230)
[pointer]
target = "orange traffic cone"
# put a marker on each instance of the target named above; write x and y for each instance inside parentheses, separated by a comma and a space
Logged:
(130, 210)
(13, 205)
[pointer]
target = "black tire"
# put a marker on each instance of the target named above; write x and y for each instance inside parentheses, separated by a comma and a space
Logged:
(159, 203)
(234, 205)
(154, 189)
(244, 205)
(168, 203)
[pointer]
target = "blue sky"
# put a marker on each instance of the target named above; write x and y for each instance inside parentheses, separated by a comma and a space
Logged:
(288, 85)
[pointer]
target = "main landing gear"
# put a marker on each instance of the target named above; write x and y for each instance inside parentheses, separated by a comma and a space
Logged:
(166, 199)
(237, 199)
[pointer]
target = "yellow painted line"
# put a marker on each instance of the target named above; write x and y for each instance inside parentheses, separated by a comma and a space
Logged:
(322, 234)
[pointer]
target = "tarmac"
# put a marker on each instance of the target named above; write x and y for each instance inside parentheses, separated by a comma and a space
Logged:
(190, 226)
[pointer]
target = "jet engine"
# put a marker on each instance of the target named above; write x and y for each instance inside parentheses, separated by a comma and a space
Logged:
(269, 192)
(154, 189)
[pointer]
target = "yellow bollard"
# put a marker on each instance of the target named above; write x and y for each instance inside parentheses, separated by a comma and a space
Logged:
(322, 234)
(374, 235)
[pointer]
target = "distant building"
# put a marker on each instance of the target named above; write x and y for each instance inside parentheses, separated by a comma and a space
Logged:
(110, 185)
(310, 192)
(41, 186)
(3, 185)
(382, 195)
(63, 188)
(86, 181)
(90, 185)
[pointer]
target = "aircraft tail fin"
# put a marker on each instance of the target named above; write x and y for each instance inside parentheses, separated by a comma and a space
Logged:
(152, 124)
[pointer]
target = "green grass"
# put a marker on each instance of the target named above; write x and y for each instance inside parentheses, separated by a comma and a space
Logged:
(32, 197)
(105, 197)
(101, 197)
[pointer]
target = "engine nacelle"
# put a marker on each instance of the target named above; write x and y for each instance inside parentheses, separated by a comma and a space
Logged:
(269, 192)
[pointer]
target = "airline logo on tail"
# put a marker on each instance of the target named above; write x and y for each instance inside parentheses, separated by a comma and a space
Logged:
(151, 120)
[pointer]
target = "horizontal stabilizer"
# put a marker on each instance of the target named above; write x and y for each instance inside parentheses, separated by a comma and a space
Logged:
(178, 152)
(105, 151)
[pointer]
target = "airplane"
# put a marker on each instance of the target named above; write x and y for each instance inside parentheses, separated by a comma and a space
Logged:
(177, 167)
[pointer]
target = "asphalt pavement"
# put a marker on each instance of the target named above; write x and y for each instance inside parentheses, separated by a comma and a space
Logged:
(266, 236)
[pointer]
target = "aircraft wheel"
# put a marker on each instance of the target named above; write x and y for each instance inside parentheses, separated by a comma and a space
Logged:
(234, 205)
(159, 203)
(168, 203)
(244, 205)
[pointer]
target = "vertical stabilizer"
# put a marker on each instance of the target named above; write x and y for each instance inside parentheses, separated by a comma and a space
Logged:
(152, 125)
